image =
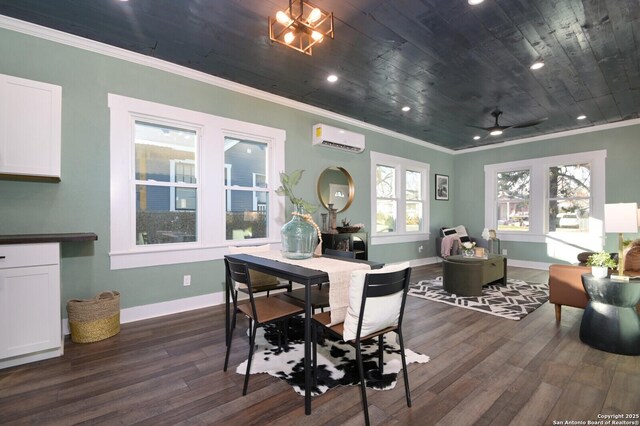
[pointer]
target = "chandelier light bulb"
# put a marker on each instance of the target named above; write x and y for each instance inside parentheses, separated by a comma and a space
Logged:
(316, 36)
(496, 132)
(289, 37)
(315, 15)
(282, 18)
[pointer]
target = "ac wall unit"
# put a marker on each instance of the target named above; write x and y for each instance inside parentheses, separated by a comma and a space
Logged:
(333, 137)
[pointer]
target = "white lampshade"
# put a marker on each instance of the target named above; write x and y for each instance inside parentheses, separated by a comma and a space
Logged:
(621, 218)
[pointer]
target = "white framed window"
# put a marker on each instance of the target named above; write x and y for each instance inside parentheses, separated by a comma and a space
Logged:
(167, 202)
(399, 199)
(551, 199)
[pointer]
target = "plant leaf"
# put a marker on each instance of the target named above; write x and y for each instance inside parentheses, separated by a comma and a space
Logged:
(295, 177)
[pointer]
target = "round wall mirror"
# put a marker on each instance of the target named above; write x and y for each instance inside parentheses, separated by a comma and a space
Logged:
(336, 187)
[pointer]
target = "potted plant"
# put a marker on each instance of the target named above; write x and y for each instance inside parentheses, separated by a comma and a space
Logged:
(600, 264)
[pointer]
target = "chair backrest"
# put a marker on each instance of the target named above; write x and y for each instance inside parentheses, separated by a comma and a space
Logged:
(340, 253)
(385, 284)
(237, 272)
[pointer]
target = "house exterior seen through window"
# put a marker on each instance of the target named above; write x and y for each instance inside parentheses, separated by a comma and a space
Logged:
(186, 184)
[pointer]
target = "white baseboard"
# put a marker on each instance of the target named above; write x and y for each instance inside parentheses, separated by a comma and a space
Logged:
(425, 261)
(153, 310)
(528, 264)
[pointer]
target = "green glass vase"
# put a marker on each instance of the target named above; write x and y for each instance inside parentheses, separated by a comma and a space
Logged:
(298, 237)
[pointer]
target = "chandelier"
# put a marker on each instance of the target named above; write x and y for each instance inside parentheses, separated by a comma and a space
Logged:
(301, 26)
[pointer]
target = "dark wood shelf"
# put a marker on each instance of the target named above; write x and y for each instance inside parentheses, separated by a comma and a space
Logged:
(48, 238)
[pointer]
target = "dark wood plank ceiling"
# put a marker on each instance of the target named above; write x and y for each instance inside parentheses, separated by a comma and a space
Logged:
(452, 63)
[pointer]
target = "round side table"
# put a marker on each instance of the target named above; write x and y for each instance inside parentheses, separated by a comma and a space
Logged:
(611, 322)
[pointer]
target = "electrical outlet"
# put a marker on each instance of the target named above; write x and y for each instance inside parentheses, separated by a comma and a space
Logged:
(186, 280)
(420, 249)
(504, 251)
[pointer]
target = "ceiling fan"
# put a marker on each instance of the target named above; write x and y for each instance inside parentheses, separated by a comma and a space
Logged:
(497, 129)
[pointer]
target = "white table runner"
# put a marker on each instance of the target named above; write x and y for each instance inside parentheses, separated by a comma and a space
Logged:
(339, 272)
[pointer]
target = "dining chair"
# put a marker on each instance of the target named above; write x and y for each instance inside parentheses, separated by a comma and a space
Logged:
(320, 293)
(260, 311)
(376, 307)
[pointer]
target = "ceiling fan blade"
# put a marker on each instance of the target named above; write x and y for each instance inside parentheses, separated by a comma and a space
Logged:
(529, 123)
(478, 127)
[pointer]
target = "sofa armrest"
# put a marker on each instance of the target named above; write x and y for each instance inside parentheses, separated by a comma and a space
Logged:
(565, 285)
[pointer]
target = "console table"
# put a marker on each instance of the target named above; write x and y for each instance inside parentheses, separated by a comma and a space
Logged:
(348, 241)
(610, 321)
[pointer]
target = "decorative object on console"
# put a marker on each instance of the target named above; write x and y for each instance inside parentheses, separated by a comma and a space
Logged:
(347, 227)
(301, 26)
(620, 218)
(300, 233)
(600, 264)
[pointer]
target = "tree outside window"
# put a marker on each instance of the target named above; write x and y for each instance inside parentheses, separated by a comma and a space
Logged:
(569, 198)
(514, 188)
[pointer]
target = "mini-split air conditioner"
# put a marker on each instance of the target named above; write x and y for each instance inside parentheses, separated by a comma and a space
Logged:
(332, 137)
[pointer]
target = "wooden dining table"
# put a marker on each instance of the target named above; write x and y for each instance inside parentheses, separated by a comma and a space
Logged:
(297, 274)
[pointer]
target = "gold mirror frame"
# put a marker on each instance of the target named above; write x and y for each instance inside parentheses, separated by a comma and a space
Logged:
(339, 176)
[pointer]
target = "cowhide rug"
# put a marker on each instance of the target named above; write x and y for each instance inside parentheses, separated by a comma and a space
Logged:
(336, 360)
(512, 301)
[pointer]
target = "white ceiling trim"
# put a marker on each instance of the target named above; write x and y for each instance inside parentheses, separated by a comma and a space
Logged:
(140, 59)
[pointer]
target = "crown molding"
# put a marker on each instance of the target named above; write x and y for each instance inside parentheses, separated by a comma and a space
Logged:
(140, 59)
(563, 134)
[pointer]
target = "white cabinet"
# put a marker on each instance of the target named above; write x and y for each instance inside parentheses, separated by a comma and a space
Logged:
(30, 123)
(30, 320)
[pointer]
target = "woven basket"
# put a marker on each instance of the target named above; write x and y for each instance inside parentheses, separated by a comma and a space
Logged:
(94, 319)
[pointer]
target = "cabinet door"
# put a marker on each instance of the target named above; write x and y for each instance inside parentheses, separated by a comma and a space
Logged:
(29, 310)
(30, 120)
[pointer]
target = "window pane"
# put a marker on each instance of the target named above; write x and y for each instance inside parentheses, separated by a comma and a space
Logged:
(386, 216)
(569, 198)
(246, 161)
(160, 149)
(513, 200)
(185, 198)
(247, 214)
(414, 216)
(156, 223)
(413, 185)
(385, 182)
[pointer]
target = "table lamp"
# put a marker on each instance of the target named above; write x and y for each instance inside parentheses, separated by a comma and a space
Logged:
(620, 218)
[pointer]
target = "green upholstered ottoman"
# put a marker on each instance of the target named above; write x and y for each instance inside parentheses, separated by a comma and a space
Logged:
(465, 276)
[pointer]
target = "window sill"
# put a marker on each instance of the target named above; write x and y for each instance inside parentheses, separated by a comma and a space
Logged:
(399, 238)
(169, 255)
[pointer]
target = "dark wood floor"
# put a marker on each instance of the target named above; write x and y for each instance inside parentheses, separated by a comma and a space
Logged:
(484, 370)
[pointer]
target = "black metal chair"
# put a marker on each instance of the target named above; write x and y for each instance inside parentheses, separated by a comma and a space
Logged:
(260, 311)
(320, 293)
(375, 285)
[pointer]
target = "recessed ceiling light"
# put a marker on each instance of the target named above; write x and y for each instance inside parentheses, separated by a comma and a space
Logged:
(581, 117)
(474, 2)
(537, 64)
(332, 78)
(406, 108)
(496, 133)
(476, 137)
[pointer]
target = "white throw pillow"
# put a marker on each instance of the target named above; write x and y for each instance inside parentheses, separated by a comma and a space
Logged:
(258, 279)
(461, 231)
(379, 312)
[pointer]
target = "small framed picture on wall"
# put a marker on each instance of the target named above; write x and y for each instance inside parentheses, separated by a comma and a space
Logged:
(442, 187)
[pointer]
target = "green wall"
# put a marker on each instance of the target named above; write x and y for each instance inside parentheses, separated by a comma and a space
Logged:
(622, 178)
(80, 203)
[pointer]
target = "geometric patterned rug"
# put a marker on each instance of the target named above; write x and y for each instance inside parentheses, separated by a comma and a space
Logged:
(512, 301)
